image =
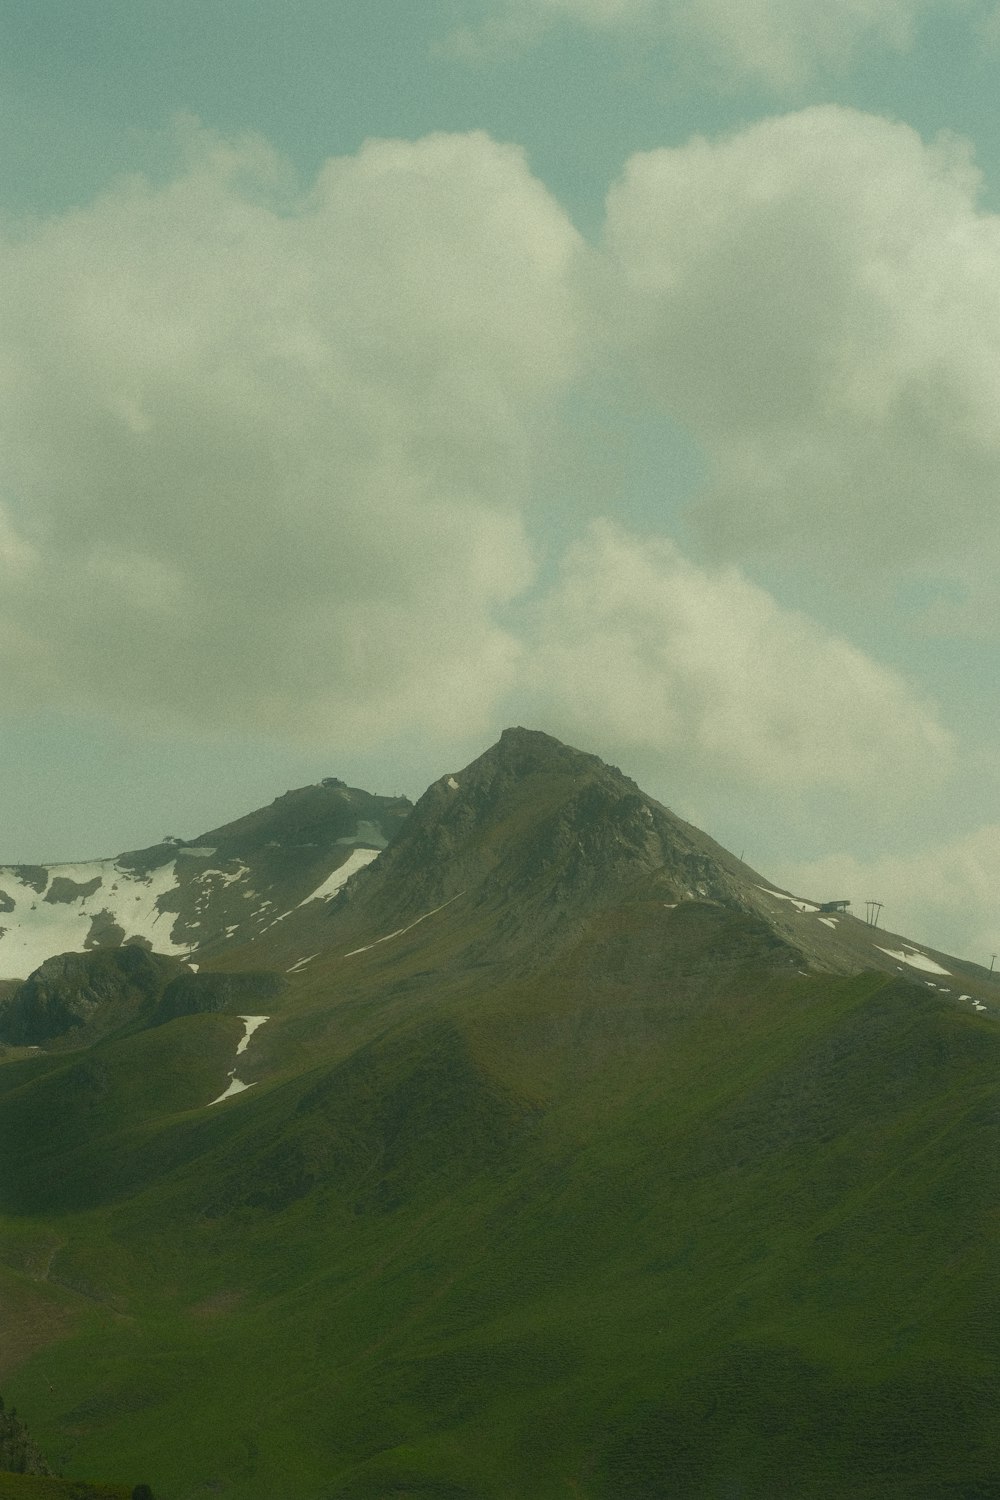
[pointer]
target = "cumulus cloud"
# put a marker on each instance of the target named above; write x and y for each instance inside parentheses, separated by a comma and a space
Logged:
(945, 895)
(270, 457)
(264, 450)
(784, 42)
(780, 44)
(642, 648)
(818, 298)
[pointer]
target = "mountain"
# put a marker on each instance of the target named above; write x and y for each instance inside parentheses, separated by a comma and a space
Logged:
(535, 834)
(536, 837)
(548, 1151)
(201, 896)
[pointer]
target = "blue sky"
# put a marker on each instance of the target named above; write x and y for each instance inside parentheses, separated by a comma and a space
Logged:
(377, 376)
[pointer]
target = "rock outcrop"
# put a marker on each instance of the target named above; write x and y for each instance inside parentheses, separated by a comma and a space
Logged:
(78, 997)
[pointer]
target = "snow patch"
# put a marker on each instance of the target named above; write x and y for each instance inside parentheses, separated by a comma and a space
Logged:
(332, 884)
(222, 877)
(235, 1086)
(400, 930)
(799, 905)
(301, 964)
(828, 921)
(453, 783)
(37, 929)
(250, 1023)
(915, 960)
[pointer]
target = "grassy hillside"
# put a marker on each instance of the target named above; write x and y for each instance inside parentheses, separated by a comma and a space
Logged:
(35, 1487)
(668, 1219)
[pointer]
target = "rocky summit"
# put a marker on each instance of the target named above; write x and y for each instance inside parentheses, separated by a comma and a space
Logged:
(541, 835)
(520, 1143)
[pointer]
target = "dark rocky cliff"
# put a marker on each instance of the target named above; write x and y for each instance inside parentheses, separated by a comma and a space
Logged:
(77, 997)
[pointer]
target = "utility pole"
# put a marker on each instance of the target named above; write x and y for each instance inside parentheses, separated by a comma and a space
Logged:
(992, 962)
(872, 909)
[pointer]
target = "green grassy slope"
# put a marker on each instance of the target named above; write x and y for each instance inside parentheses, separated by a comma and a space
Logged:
(83, 1127)
(35, 1487)
(665, 1220)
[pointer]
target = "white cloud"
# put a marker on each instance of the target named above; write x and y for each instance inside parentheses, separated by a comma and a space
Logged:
(780, 44)
(818, 298)
(945, 896)
(784, 42)
(268, 459)
(643, 651)
(264, 453)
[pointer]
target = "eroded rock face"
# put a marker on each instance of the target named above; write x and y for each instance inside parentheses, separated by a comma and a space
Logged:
(77, 996)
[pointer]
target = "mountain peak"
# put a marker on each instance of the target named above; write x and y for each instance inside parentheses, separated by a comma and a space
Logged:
(521, 754)
(534, 743)
(526, 750)
(538, 835)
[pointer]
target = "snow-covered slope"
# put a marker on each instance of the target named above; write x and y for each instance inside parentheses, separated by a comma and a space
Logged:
(223, 889)
(69, 908)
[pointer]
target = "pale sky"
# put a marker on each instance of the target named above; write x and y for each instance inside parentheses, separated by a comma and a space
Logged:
(376, 376)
